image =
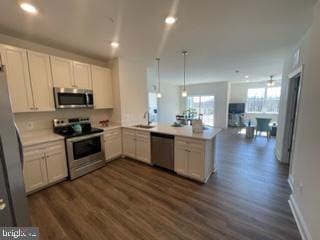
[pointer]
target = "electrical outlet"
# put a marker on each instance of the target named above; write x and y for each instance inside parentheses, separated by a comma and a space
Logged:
(30, 125)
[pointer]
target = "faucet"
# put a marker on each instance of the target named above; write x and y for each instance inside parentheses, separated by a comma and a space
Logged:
(144, 116)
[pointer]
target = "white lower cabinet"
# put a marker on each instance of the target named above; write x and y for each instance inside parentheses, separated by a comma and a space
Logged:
(137, 145)
(112, 144)
(34, 170)
(181, 161)
(129, 142)
(44, 164)
(190, 158)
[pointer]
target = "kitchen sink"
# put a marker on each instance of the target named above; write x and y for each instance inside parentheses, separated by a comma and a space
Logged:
(144, 126)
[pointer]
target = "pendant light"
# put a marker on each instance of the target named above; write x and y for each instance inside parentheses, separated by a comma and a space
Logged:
(184, 92)
(159, 95)
(271, 82)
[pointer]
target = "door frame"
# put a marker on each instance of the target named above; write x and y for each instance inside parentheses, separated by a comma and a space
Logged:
(287, 156)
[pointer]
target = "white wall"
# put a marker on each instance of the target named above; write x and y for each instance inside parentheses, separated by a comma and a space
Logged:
(169, 104)
(306, 160)
(238, 94)
(220, 91)
(43, 120)
(130, 86)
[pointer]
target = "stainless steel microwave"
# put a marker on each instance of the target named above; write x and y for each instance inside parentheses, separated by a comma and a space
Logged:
(73, 98)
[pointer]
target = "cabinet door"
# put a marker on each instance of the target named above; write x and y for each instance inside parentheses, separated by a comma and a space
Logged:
(82, 75)
(56, 166)
(181, 160)
(41, 81)
(16, 62)
(196, 164)
(34, 170)
(129, 143)
(143, 147)
(113, 144)
(102, 87)
(62, 72)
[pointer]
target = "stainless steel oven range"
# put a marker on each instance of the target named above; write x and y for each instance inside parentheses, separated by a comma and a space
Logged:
(84, 145)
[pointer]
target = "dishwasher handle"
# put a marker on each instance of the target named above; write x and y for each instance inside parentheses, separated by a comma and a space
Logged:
(162, 135)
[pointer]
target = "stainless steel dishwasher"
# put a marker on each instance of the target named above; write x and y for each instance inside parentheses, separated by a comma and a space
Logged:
(162, 150)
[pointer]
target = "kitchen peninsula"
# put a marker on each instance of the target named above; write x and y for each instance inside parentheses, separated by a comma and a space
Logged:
(194, 153)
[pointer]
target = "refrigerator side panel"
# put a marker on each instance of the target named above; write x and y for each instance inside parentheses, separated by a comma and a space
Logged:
(11, 158)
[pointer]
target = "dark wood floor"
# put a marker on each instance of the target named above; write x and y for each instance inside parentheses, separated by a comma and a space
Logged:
(245, 199)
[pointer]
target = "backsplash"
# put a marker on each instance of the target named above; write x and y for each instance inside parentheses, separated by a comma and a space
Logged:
(43, 120)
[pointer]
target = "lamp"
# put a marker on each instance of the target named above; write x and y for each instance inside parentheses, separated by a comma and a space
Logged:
(271, 82)
(159, 95)
(184, 92)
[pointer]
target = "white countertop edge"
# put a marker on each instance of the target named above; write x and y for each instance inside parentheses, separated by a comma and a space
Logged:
(201, 136)
(45, 136)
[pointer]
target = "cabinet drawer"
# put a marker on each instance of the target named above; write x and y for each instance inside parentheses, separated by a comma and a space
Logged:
(112, 133)
(189, 143)
(129, 132)
(55, 149)
(44, 146)
(143, 136)
(39, 149)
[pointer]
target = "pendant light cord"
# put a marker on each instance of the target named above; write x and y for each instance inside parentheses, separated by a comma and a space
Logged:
(184, 67)
(158, 59)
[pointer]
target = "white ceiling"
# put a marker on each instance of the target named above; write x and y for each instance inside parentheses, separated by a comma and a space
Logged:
(220, 35)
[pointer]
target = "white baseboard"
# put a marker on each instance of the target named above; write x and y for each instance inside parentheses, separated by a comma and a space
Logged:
(303, 229)
(291, 182)
(276, 152)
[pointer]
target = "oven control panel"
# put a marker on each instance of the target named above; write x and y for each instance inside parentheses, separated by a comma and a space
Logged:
(69, 121)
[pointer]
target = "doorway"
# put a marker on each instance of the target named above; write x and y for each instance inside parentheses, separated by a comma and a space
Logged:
(294, 87)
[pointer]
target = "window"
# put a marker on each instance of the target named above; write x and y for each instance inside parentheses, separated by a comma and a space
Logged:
(203, 107)
(255, 99)
(263, 100)
(272, 100)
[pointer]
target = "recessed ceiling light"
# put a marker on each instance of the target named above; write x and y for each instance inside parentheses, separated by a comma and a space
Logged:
(27, 7)
(115, 44)
(246, 76)
(170, 20)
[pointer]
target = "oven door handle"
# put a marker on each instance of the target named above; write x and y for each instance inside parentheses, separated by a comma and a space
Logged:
(77, 139)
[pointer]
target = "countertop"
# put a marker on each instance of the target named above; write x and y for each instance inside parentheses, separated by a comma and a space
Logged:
(45, 136)
(110, 127)
(185, 131)
(38, 137)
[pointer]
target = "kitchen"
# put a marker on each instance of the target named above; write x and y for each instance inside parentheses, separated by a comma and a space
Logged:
(58, 104)
(85, 155)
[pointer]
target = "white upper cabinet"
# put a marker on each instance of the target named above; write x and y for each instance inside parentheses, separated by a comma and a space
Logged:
(62, 72)
(16, 62)
(70, 74)
(41, 81)
(82, 75)
(102, 87)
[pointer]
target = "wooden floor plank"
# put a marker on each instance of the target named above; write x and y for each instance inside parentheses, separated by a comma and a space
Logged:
(246, 199)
